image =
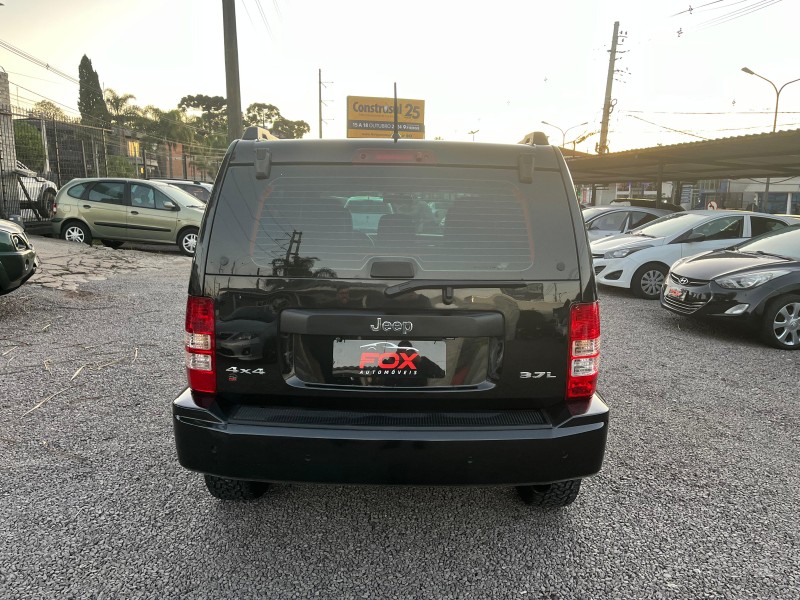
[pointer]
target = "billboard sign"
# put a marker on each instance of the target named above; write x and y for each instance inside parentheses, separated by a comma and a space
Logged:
(374, 117)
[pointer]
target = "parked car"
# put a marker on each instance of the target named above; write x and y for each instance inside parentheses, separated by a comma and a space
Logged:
(640, 259)
(320, 348)
(647, 203)
(604, 221)
(199, 189)
(36, 193)
(116, 211)
(18, 260)
(756, 282)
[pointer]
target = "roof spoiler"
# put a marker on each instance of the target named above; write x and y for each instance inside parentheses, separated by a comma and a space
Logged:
(535, 138)
(257, 133)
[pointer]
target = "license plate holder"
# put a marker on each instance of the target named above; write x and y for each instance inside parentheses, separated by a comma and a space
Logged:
(675, 293)
(390, 359)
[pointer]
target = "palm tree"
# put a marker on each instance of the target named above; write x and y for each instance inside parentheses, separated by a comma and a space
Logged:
(168, 128)
(121, 112)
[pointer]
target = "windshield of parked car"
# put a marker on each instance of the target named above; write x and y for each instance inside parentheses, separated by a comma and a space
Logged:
(591, 213)
(783, 242)
(185, 198)
(669, 225)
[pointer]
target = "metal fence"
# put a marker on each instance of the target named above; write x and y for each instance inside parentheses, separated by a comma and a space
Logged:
(38, 155)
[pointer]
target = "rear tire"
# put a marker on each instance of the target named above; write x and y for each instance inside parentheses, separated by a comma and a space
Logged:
(553, 495)
(187, 241)
(112, 244)
(76, 231)
(45, 208)
(780, 325)
(236, 490)
(648, 280)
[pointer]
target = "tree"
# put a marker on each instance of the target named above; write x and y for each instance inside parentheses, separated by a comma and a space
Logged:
(121, 113)
(44, 109)
(286, 129)
(269, 117)
(168, 128)
(119, 166)
(212, 122)
(90, 96)
(28, 144)
(261, 115)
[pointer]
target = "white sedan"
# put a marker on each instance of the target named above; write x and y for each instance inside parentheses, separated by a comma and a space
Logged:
(640, 259)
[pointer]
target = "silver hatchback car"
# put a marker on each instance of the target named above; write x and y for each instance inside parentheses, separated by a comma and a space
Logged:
(119, 210)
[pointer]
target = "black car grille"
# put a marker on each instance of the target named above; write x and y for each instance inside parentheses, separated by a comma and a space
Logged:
(597, 255)
(597, 270)
(688, 281)
(689, 305)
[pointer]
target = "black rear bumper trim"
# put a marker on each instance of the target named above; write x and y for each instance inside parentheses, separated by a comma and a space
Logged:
(456, 455)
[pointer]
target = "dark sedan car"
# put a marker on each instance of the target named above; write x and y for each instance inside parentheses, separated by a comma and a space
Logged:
(18, 260)
(756, 282)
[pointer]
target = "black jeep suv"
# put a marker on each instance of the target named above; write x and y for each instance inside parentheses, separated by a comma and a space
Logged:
(370, 312)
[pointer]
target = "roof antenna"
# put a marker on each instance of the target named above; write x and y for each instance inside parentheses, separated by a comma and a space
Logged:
(395, 135)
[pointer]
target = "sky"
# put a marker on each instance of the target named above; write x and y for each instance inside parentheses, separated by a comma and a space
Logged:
(488, 71)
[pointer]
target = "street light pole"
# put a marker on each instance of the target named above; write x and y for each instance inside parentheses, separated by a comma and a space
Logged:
(774, 121)
(564, 131)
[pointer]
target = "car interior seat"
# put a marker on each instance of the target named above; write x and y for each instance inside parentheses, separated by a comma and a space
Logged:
(395, 230)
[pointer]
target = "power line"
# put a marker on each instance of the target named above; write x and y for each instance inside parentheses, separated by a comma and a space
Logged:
(690, 9)
(743, 112)
(737, 14)
(249, 18)
(33, 59)
(264, 18)
(668, 128)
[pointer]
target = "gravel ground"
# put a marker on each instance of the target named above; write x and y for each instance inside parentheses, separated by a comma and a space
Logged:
(698, 497)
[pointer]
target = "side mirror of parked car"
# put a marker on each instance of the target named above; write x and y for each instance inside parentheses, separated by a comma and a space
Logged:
(170, 206)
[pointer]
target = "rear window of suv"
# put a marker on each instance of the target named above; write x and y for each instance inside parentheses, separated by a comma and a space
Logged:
(450, 222)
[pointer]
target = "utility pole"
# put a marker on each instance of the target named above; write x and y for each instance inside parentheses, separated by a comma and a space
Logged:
(321, 101)
(235, 126)
(602, 146)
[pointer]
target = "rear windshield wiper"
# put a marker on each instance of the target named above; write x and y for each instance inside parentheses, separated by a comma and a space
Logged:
(447, 286)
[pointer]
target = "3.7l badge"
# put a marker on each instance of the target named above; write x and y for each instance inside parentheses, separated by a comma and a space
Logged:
(536, 375)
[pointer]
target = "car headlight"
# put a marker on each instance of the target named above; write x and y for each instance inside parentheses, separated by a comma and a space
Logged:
(623, 252)
(748, 280)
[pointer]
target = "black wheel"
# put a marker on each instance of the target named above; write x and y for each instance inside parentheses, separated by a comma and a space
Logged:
(647, 281)
(45, 208)
(553, 495)
(235, 489)
(187, 241)
(112, 243)
(75, 231)
(780, 326)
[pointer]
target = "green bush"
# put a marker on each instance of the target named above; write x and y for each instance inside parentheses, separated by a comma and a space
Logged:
(119, 166)
(28, 143)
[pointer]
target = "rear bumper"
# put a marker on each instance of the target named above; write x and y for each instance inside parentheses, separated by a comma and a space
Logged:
(384, 455)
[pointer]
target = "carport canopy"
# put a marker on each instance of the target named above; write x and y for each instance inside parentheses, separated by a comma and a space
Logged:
(763, 155)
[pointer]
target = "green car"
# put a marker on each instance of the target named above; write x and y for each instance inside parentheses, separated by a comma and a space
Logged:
(118, 210)
(18, 260)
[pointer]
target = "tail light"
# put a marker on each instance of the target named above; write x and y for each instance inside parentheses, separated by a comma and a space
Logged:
(584, 355)
(199, 345)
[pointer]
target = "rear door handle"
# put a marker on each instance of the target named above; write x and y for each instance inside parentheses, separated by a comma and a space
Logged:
(134, 212)
(86, 206)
